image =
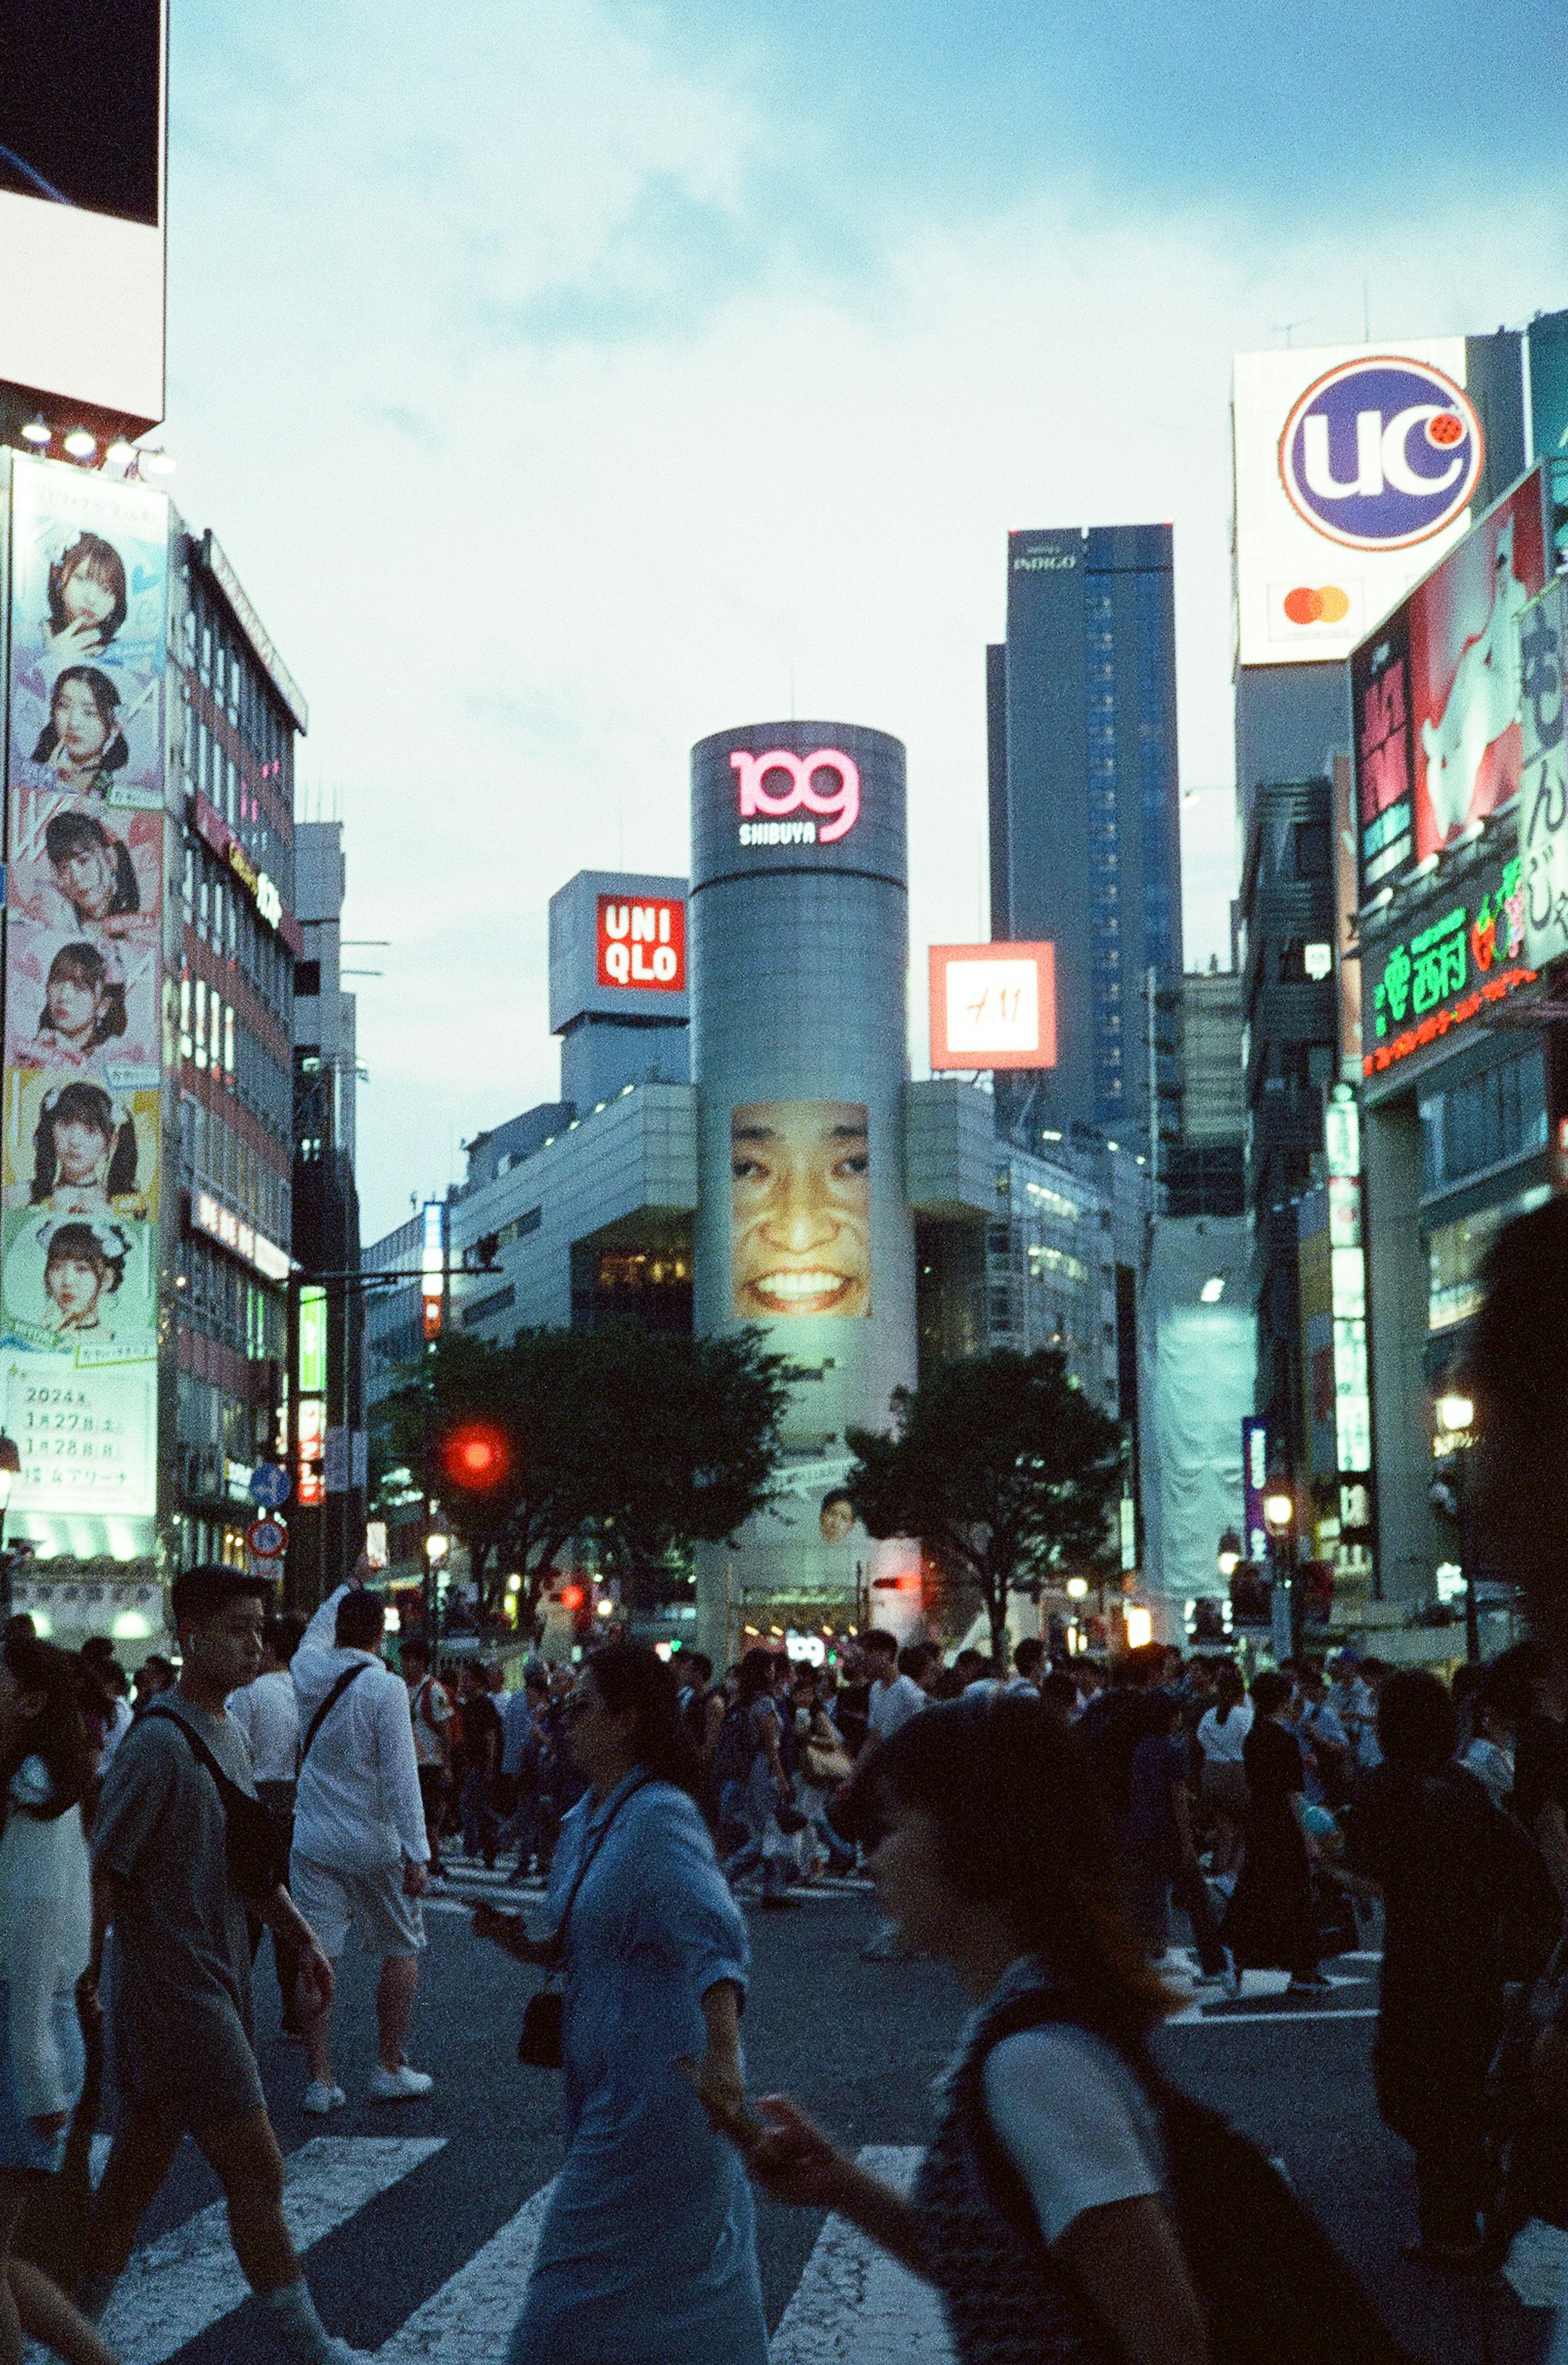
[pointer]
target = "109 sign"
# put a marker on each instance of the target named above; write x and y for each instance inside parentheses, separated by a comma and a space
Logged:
(779, 783)
(1381, 453)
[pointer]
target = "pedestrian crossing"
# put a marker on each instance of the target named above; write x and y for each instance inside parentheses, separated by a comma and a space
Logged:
(852, 2306)
(464, 1881)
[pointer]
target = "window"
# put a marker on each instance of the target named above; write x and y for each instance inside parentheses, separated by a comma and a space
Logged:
(1485, 1121)
(307, 977)
(1312, 850)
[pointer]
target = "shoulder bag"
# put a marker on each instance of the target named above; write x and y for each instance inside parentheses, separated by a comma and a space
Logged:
(258, 1860)
(539, 2044)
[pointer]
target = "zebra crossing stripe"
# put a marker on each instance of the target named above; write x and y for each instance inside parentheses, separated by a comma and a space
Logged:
(178, 2286)
(467, 2320)
(854, 2306)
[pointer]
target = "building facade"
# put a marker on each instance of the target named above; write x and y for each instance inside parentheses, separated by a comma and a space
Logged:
(1085, 820)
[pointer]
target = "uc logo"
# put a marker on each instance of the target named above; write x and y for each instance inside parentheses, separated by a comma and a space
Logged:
(1381, 453)
(841, 809)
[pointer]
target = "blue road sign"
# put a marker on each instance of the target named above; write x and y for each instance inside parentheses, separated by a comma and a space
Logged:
(269, 1485)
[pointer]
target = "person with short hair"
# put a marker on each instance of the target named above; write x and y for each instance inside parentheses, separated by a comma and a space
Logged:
(432, 1722)
(1029, 1663)
(179, 2013)
(153, 1678)
(1269, 1922)
(896, 1696)
(268, 1715)
(360, 1850)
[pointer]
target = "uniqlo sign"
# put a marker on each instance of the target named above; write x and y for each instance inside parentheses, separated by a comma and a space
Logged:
(641, 944)
(994, 1006)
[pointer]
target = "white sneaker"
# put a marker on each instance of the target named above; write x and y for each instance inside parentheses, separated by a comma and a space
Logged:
(319, 2098)
(399, 2085)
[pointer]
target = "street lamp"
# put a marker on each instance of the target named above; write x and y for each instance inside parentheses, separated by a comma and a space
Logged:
(1227, 1559)
(1278, 1517)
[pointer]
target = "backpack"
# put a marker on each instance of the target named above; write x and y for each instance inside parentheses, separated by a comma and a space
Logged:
(733, 1750)
(1274, 2289)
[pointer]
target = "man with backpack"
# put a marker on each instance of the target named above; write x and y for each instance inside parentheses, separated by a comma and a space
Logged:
(360, 1850)
(177, 1856)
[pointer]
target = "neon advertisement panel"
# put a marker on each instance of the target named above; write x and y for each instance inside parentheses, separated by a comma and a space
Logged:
(1355, 467)
(83, 995)
(993, 1006)
(81, 144)
(640, 944)
(801, 1209)
(1453, 968)
(1435, 694)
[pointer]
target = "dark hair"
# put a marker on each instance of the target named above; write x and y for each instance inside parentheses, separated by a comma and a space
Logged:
(361, 1621)
(970, 1662)
(91, 555)
(200, 1593)
(95, 1651)
(1415, 1724)
(58, 1733)
(537, 1679)
(630, 1677)
(1049, 1865)
(1144, 1665)
(414, 1646)
(1230, 1689)
(76, 1242)
(876, 1638)
(914, 1659)
(1060, 1691)
(1270, 1690)
(115, 755)
(89, 1104)
(699, 1661)
(755, 1676)
(156, 1663)
(1027, 1654)
(66, 834)
(1507, 1685)
(87, 966)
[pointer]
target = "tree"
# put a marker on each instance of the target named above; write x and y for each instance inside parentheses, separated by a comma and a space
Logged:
(1003, 1469)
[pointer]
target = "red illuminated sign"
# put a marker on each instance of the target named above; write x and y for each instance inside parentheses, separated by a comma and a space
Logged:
(994, 1006)
(799, 781)
(641, 944)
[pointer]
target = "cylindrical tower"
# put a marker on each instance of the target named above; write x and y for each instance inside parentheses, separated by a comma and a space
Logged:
(798, 950)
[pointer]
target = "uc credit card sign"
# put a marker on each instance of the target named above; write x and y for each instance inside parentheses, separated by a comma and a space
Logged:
(1355, 467)
(640, 943)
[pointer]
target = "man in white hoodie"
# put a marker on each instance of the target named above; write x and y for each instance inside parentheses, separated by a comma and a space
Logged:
(360, 1850)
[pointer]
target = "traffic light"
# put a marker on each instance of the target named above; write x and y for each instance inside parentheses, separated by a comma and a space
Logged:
(475, 1458)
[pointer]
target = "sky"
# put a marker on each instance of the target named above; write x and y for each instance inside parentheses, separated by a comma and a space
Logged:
(568, 379)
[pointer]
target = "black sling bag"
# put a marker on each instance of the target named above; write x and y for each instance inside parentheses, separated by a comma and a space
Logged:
(258, 1860)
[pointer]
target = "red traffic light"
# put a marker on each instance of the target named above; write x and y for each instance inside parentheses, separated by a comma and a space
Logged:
(476, 1457)
(572, 1596)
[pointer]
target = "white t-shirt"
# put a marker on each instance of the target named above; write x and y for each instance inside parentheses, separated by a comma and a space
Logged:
(1222, 1744)
(119, 1724)
(1072, 2119)
(892, 1706)
(268, 1716)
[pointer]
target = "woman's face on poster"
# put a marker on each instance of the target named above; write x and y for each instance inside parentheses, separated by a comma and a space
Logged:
(88, 604)
(73, 1284)
(80, 728)
(81, 1152)
(72, 1006)
(801, 1208)
(86, 879)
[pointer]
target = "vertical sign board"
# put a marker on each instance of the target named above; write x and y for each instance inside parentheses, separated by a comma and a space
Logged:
(84, 1027)
(1254, 1486)
(1543, 800)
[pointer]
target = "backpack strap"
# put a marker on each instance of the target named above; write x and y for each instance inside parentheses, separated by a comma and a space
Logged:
(257, 1857)
(334, 1696)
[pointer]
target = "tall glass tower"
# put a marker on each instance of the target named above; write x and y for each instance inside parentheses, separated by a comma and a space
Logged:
(1085, 826)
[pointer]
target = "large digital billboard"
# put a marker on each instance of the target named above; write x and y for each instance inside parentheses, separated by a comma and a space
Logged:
(994, 1006)
(1355, 468)
(1435, 694)
(84, 1019)
(82, 203)
(801, 1209)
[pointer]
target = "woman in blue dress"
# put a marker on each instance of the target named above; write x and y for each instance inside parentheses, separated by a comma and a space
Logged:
(647, 2253)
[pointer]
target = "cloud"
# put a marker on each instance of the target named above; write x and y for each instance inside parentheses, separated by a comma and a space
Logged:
(548, 435)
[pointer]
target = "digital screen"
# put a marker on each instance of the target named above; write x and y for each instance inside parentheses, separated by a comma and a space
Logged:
(640, 944)
(82, 203)
(993, 1006)
(801, 1232)
(1354, 470)
(82, 1055)
(1436, 692)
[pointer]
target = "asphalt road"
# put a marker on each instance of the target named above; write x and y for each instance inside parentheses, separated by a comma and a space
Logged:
(858, 2045)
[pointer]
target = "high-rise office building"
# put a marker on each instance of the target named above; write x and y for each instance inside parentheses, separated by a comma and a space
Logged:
(1085, 829)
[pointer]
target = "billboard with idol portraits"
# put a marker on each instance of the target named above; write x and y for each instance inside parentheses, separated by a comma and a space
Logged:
(81, 1111)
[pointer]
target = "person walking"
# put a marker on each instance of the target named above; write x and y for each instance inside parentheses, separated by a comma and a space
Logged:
(482, 1738)
(267, 1714)
(522, 1748)
(647, 2249)
(433, 1718)
(1222, 1789)
(1162, 1855)
(1046, 2101)
(1269, 1922)
(180, 1845)
(45, 1942)
(766, 1787)
(360, 1850)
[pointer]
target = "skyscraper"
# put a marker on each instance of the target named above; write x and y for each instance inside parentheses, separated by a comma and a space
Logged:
(1086, 830)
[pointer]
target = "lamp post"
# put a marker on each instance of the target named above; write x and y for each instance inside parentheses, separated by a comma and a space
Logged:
(1278, 1517)
(437, 1545)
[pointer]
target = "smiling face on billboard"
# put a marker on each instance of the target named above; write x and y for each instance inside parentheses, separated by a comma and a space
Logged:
(802, 1209)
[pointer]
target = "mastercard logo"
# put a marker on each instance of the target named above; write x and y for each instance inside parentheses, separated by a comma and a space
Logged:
(1328, 605)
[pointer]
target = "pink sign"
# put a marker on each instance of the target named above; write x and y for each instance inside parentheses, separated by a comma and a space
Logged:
(840, 808)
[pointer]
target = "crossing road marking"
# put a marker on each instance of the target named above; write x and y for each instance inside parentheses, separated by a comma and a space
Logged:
(178, 2286)
(854, 2306)
(467, 2320)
